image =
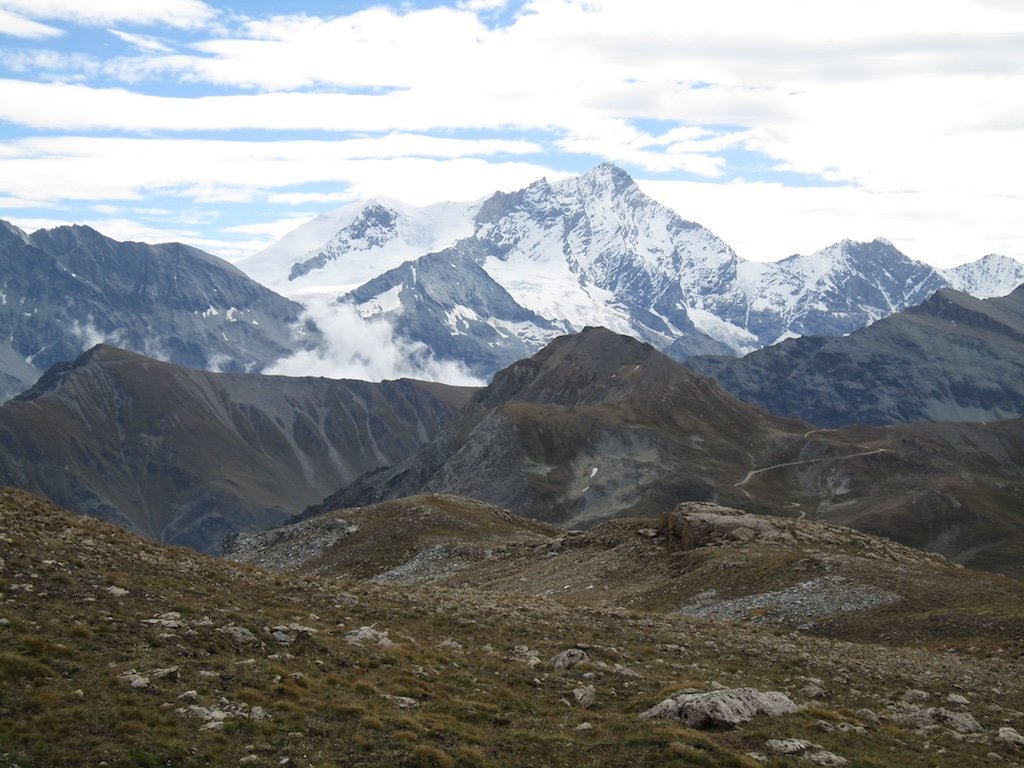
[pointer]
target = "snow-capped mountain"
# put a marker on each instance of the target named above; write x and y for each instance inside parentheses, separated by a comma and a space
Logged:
(987, 277)
(340, 250)
(592, 250)
(831, 292)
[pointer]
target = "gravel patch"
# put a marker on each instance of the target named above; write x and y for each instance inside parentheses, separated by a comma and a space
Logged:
(801, 604)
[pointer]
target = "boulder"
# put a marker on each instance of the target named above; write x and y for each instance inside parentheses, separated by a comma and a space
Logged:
(569, 658)
(723, 708)
(238, 634)
(585, 696)
(961, 722)
(365, 635)
(1011, 737)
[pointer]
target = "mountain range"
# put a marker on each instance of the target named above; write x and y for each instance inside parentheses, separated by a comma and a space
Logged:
(593, 427)
(598, 426)
(503, 276)
(952, 358)
(65, 289)
(481, 284)
(187, 456)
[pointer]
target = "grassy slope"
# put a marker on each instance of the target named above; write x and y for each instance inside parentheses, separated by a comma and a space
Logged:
(66, 638)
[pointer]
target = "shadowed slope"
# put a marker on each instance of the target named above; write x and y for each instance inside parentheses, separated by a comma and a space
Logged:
(187, 456)
(953, 358)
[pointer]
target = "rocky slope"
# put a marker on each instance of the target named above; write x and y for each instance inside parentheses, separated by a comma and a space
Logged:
(699, 559)
(63, 290)
(121, 651)
(598, 426)
(593, 250)
(186, 456)
(953, 358)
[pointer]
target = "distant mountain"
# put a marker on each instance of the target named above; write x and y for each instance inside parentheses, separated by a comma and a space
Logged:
(987, 277)
(472, 319)
(63, 290)
(340, 250)
(186, 456)
(594, 250)
(953, 358)
(598, 426)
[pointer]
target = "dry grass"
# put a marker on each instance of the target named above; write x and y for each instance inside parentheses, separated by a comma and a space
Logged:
(68, 643)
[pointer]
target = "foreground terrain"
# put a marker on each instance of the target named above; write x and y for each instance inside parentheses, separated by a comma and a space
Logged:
(119, 651)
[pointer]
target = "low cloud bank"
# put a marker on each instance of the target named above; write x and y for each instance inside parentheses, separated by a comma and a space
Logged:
(353, 347)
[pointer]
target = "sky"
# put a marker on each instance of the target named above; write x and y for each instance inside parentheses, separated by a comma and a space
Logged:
(781, 126)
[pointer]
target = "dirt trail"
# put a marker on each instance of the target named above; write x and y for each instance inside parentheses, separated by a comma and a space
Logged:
(753, 472)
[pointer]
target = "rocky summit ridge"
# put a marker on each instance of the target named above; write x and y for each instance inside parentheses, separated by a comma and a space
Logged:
(65, 289)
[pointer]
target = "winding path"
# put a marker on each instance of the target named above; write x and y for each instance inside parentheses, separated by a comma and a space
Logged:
(753, 472)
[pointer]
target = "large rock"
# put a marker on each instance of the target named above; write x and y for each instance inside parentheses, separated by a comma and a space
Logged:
(961, 722)
(722, 709)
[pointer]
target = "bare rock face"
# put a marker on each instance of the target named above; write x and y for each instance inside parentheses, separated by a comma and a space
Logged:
(726, 708)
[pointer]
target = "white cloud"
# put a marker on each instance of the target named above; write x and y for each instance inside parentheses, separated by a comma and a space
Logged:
(184, 14)
(767, 222)
(306, 198)
(54, 65)
(18, 26)
(483, 5)
(87, 168)
(903, 105)
(355, 348)
(142, 42)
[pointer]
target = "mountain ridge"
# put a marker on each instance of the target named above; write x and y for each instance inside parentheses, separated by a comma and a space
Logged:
(64, 289)
(595, 250)
(598, 426)
(188, 456)
(952, 358)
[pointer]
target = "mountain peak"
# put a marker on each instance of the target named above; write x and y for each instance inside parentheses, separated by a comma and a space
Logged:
(990, 276)
(57, 374)
(609, 174)
(16, 231)
(593, 366)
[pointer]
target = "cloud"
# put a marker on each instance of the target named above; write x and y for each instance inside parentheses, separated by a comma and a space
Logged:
(355, 348)
(483, 5)
(769, 221)
(18, 26)
(54, 65)
(142, 42)
(183, 14)
(899, 106)
(95, 168)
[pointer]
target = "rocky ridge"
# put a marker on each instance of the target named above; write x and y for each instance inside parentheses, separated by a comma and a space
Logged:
(186, 456)
(953, 358)
(598, 426)
(65, 289)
